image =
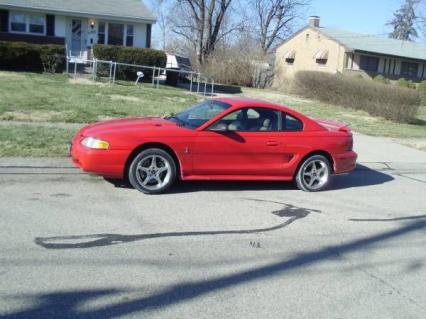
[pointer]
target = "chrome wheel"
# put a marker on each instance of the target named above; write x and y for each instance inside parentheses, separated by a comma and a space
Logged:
(153, 172)
(314, 174)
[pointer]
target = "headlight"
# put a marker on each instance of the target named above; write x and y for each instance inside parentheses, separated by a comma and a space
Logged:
(94, 143)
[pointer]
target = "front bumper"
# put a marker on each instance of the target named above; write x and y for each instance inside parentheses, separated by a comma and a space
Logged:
(345, 162)
(107, 163)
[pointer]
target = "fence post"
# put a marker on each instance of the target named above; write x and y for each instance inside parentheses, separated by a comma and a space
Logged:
(205, 86)
(153, 76)
(68, 61)
(190, 86)
(212, 92)
(93, 68)
(75, 69)
(158, 77)
(96, 69)
(198, 82)
(115, 72)
(110, 71)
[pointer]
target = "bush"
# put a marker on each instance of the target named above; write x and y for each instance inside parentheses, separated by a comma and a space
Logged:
(381, 79)
(138, 56)
(393, 103)
(21, 56)
(406, 84)
(422, 91)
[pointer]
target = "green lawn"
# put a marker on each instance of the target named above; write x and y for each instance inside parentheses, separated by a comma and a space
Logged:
(34, 141)
(56, 98)
(49, 101)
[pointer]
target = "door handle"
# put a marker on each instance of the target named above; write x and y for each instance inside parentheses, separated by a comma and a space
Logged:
(272, 143)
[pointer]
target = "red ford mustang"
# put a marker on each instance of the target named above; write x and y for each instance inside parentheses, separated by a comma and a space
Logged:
(218, 139)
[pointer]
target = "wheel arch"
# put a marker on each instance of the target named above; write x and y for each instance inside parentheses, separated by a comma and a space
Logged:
(149, 145)
(326, 154)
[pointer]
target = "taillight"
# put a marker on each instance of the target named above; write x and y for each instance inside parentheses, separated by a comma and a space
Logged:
(350, 143)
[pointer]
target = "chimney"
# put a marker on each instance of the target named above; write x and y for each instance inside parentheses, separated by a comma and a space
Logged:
(314, 21)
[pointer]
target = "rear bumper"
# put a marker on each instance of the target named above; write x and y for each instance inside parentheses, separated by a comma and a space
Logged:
(107, 163)
(345, 162)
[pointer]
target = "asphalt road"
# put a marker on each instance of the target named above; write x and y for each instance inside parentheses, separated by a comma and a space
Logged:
(77, 246)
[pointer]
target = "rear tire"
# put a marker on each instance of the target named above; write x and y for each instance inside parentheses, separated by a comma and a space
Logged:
(314, 174)
(153, 171)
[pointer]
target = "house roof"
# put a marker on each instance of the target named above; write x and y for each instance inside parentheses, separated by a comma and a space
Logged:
(114, 9)
(375, 44)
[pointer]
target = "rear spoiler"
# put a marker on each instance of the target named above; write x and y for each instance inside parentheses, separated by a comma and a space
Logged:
(334, 125)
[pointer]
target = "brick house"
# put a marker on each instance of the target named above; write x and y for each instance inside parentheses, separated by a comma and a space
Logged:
(315, 48)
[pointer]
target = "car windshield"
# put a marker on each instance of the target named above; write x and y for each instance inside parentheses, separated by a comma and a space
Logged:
(199, 114)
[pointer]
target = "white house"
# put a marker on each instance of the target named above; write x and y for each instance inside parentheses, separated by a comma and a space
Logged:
(79, 24)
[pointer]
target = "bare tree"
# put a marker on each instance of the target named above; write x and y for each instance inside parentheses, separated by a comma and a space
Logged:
(201, 23)
(276, 19)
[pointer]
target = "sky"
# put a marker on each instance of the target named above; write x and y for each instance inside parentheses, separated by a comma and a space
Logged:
(363, 16)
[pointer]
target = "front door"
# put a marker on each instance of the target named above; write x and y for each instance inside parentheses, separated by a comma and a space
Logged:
(76, 37)
(250, 146)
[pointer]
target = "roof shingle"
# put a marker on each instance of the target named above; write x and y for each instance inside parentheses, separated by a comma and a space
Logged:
(375, 44)
(119, 9)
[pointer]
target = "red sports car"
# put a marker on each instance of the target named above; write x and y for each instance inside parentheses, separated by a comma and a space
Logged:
(218, 139)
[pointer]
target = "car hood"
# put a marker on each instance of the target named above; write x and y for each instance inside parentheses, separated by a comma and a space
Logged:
(139, 123)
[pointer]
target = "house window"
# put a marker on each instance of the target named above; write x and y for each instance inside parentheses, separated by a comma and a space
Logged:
(115, 34)
(290, 56)
(369, 63)
(18, 22)
(28, 23)
(101, 33)
(321, 61)
(36, 24)
(130, 35)
(409, 69)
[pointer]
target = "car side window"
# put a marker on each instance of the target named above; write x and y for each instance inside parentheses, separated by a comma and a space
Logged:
(290, 123)
(251, 119)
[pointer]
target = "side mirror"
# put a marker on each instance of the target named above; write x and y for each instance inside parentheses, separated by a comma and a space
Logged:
(218, 127)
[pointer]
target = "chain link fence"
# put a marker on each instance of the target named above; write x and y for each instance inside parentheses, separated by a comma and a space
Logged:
(111, 72)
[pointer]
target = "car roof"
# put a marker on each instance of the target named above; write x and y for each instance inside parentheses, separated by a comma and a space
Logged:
(243, 101)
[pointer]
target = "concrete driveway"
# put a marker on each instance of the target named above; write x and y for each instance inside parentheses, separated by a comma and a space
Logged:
(77, 246)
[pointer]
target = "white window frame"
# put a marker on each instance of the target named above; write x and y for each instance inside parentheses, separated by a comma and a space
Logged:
(125, 26)
(132, 35)
(105, 32)
(27, 23)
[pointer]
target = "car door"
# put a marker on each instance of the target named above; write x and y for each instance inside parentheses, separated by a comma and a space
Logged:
(249, 143)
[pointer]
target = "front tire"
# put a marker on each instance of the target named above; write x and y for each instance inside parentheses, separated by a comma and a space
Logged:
(314, 174)
(152, 171)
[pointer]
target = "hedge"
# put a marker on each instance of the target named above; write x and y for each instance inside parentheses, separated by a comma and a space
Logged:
(392, 102)
(137, 56)
(21, 56)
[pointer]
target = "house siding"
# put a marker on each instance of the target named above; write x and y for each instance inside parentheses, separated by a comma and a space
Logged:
(60, 26)
(140, 40)
(306, 44)
(16, 37)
